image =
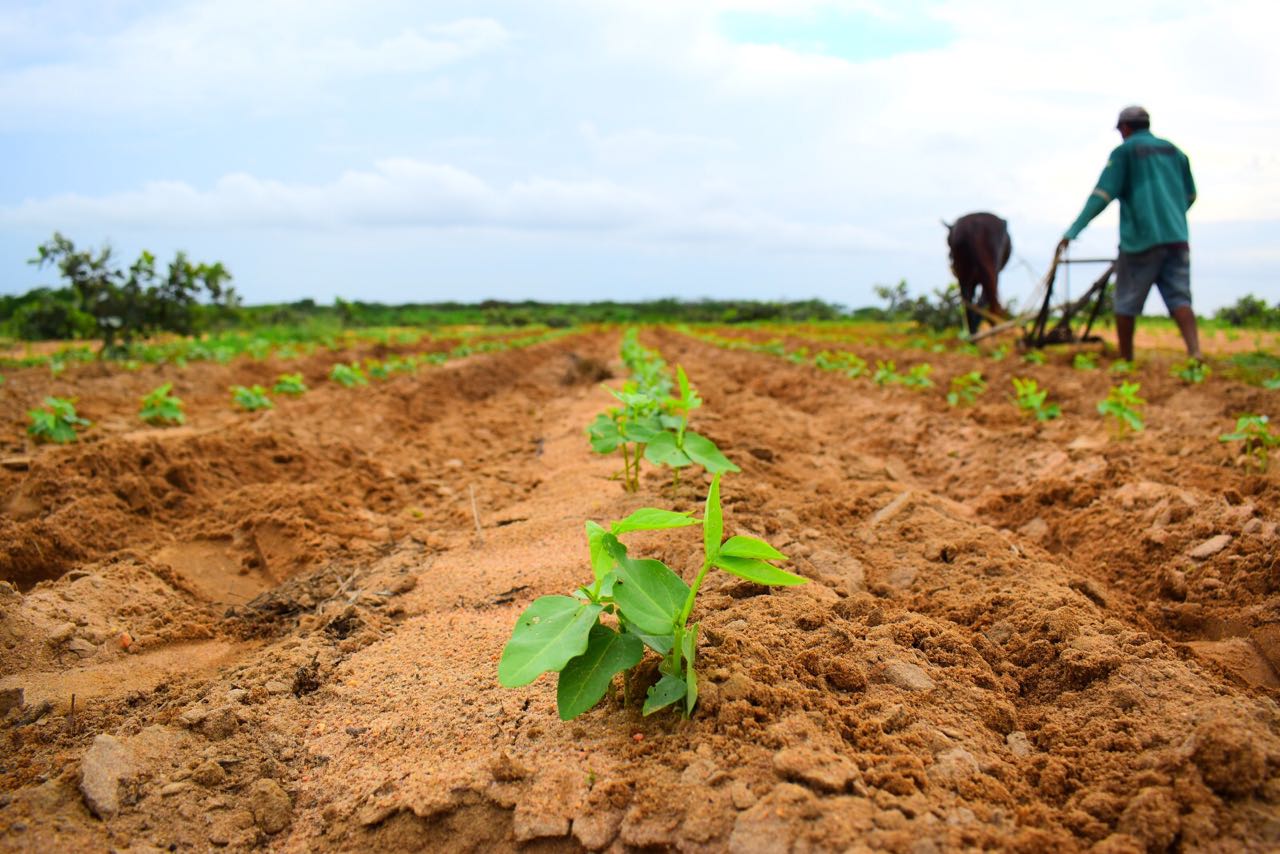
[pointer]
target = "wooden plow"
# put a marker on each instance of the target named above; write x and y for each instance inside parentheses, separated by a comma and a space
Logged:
(1058, 324)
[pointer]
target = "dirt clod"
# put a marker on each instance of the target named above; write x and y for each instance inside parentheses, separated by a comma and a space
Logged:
(1230, 760)
(272, 810)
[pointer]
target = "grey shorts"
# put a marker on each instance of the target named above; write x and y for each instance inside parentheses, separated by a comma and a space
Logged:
(1166, 267)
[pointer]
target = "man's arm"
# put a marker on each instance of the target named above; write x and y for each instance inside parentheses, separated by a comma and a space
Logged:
(1188, 182)
(1110, 184)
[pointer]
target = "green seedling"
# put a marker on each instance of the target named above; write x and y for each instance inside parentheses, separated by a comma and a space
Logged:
(58, 422)
(160, 407)
(1034, 357)
(1123, 407)
(1191, 372)
(1000, 353)
(1272, 383)
(1085, 362)
(1121, 367)
(886, 373)
(798, 357)
(290, 384)
(1255, 434)
(627, 428)
(966, 389)
(969, 349)
(918, 377)
(348, 376)
(841, 361)
(250, 399)
(1030, 400)
(773, 348)
(603, 628)
(377, 370)
(677, 446)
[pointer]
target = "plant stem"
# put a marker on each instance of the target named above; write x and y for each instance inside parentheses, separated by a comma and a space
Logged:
(626, 468)
(693, 592)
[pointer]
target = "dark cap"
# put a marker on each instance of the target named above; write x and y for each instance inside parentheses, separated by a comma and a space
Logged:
(1133, 116)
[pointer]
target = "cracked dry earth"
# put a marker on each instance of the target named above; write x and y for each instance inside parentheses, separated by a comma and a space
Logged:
(282, 630)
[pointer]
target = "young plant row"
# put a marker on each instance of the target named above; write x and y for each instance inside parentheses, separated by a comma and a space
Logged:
(279, 342)
(632, 603)
(652, 423)
(1122, 408)
(1258, 368)
(58, 422)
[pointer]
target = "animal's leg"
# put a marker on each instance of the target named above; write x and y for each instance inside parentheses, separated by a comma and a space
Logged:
(990, 294)
(972, 318)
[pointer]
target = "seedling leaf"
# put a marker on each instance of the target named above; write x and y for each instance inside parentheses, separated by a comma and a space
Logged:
(660, 644)
(757, 571)
(584, 680)
(602, 559)
(649, 595)
(652, 519)
(604, 435)
(662, 450)
(750, 547)
(704, 452)
(666, 691)
(712, 521)
(550, 632)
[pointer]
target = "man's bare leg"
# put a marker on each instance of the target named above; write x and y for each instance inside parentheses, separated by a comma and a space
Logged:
(1124, 335)
(1186, 320)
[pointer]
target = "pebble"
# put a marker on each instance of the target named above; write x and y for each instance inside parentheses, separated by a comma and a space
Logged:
(209, 774)
(193, 717)
(81, 647)
(10, 698)
(220, 723)
(62, 633)
(904, 675)
(275, 686)
(171, 789)
(238, 695)
(1173, 584)
(1209, 547)
(818, 769)
(1035, 530)
(953, 765)
(104, 765)
(1019, 744)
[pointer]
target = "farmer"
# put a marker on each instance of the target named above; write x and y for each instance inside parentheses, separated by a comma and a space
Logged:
(1152, 179)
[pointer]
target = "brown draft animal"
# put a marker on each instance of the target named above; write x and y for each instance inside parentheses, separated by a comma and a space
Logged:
(980, 249)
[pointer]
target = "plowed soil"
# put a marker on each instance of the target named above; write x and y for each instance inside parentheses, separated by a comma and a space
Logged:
(281, 629)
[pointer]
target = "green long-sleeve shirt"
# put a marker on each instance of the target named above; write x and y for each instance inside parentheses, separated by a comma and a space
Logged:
(1152, 179)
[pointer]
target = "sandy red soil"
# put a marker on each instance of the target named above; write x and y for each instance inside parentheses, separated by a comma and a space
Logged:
(281, 629)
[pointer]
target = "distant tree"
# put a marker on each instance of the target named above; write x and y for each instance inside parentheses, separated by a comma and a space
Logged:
(1250, 311)
(140, 301)
(941, 312)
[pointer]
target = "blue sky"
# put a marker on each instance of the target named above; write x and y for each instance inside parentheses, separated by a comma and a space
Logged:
(581, 149)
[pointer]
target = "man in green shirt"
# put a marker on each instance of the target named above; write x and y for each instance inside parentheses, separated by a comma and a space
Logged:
(1152, 180)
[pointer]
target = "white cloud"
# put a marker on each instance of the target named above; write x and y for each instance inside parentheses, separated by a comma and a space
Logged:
(406, 193)
(247, 54)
